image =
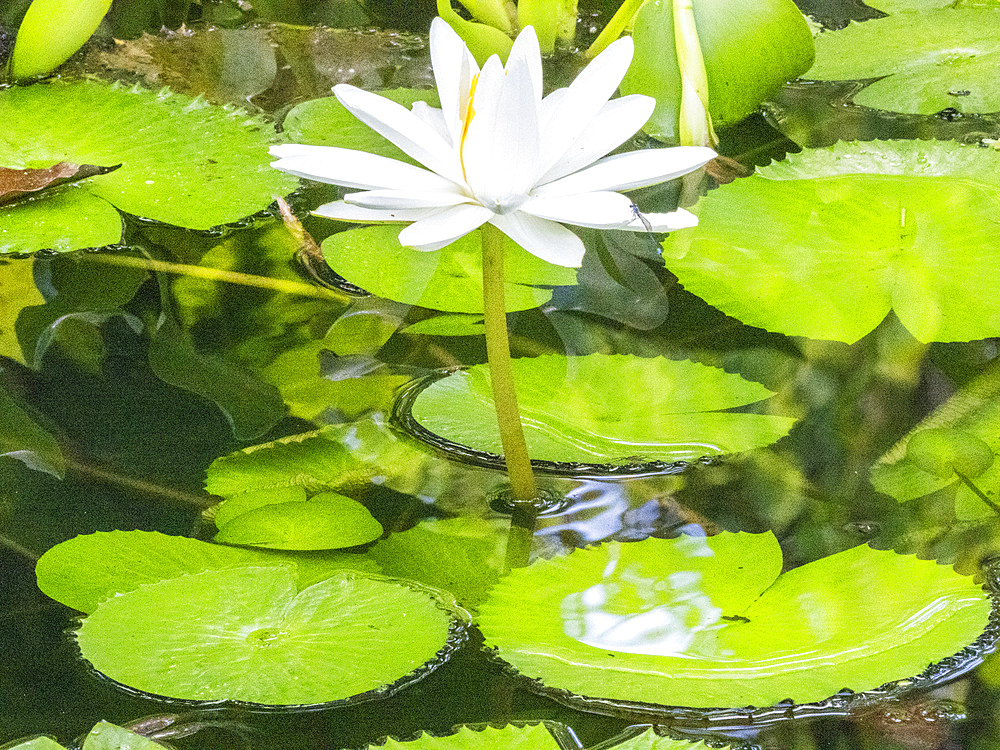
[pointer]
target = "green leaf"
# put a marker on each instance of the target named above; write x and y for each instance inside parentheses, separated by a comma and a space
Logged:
(843, 235)
(65, 219)
(247, 634)
(326, 521)
(530, 737)
(650, 740)
(924, 62)
(605, 409)
(17, 291)
(448, 325)
(746, 60)
(38, 743)
(903, 6)
(464, 556)
(107, 736)
(245, 502)
(194, 165)
(326, 122)
(450, 279)
(51, 31)
(973, 411)
(944, 452)
(87, 569)
(21, 437)
(712, 622)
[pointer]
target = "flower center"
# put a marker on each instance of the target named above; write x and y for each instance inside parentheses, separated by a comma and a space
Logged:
(470, 112)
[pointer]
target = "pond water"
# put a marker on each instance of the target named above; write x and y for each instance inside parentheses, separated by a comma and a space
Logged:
(148, 377)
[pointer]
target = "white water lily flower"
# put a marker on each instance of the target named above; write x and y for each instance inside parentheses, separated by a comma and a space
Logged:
(498, 152)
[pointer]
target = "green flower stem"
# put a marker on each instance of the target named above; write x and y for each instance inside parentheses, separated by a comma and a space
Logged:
(515, 450)
(618, 23)
(978, 492)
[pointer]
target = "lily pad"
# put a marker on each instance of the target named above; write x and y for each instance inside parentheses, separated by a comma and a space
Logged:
(187, 162)
(36, 743)
(89, 568)
(326, 521)
(326, 122)
(650, 740)
(450, 279)
(905, 6)
(107, 736)
(604, 409)
(448, 325)
(248, 634)
(713, 622)
(843, 235)
(924, 62)
(21, 437)
(530, 737)
(973, 411)
(464, 556)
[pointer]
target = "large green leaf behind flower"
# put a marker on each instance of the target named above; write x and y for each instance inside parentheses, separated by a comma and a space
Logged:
(827, 242)
(532, 737)
(601, 409)
(449, 279)
(751, 48)
(184, 162)
(713, 622)
(248, 634)
(925, 62)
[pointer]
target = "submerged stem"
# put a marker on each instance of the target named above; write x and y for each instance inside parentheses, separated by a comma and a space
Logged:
(978, 492)
(515, 450)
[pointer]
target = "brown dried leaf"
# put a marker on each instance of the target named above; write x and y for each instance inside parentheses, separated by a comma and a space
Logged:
(18, 183)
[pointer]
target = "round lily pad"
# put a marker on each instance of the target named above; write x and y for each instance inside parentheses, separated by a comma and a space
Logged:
(327, 521)
(604, 409)
(713, 622)
(185, 162)
(86, 569)
(650, 740)
(107, 736)
(247, 634)
(841, 236)
(449, 279)
(924, 62)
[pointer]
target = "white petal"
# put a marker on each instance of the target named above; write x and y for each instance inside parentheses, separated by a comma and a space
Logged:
(399, 125)
(669, 222)
(545, 239)
(346, 212)
(445, 227)
(500, 151)
(433, 117)
(356, 169)
(454, 68)
(598, 210)
(584, 99)
(630, 170)
(527, 52)
(387, 199)
(617, 121)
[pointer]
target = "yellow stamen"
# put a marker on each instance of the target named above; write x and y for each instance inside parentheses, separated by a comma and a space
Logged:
(470, 112)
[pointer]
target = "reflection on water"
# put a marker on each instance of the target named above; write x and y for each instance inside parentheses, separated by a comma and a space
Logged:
(632, 612)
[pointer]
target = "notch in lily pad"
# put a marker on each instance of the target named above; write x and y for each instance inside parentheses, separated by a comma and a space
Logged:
(711, 623)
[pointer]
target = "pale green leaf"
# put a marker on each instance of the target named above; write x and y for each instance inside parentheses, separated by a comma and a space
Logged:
(36, 743)
(186, 162)
(604, 409)
(925, 62)
(464, 556)
(872, 231)
(247, 634)
(107, 736)
(326, 521)
(245, 502)
(87, 569)
(712, 622)
(21, 437)
(745, 62)
(650, 740)
(450, 279)
(326, 122)
(51, 31)
(531, 737)
(65, 219)
(448, 325)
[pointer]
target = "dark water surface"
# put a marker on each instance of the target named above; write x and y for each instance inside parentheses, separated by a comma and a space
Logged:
(138, 447)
